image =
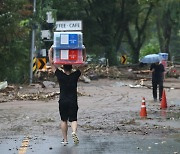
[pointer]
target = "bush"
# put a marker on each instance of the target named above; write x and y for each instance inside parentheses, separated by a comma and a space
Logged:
(14, 63)
(149, 49)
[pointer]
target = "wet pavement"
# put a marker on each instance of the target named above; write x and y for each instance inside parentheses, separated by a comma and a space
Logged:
(109, 123)
(90, 144)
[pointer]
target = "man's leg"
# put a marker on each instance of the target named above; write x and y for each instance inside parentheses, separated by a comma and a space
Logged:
(74, 132)
(160, 90)
(73, 119)
(74, 126)
(154, 90)
(64, 129)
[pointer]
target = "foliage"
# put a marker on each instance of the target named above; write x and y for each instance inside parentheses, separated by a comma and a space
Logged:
(150, 48)
(14, 42)
(102, 23)
(105, 23)
(110, 27)
(137, 28)
(168, 15)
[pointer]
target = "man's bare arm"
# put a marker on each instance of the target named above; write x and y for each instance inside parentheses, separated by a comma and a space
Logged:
(51, 60)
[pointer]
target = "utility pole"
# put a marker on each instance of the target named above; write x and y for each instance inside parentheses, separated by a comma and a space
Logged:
(32, 44)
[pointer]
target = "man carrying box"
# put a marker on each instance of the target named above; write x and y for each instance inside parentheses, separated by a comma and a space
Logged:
(68, 105)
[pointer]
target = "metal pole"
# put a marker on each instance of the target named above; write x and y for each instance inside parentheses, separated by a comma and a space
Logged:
(32, 44)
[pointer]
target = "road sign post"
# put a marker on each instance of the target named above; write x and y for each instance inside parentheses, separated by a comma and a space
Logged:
(123, 59)
(32, 45)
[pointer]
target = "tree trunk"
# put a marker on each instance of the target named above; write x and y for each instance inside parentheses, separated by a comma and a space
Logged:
(137, 42)
(111, 55)
(159, 33)
(135, 55)
(167, 32)
(164, 27)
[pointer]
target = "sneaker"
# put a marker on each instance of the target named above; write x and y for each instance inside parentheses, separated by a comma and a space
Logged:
(65, 143)
(75, 138)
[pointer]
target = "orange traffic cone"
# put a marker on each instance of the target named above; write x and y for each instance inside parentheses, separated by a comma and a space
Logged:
(163, 101)
(143, 112)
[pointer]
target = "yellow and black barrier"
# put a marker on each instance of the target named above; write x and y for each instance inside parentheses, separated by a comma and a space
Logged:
(34, 64)
(41, 63)
(123, 59)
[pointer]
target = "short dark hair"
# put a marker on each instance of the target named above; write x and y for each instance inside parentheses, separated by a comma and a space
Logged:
(67, 67)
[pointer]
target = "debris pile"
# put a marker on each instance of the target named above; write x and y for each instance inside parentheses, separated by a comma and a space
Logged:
(101, 71)
(36, 96)
(31, 92)
(45, 81)
(173, 72)
(93, 72)
(7, 94)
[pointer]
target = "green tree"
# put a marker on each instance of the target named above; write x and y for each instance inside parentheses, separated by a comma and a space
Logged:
(14, 36)
(104, 22)
(167, 19)
(137, 27)
(112, 25)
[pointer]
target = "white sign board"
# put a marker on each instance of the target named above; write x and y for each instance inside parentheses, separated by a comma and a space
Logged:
(46, 34)
(50, 18)
(43, 52)
(72, 25)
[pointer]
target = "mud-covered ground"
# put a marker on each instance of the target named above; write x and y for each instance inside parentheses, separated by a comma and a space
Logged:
(106, 106)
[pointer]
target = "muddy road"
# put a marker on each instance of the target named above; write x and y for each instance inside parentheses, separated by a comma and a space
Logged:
(108, 110)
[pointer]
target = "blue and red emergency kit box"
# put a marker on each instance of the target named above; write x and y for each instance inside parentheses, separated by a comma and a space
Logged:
(68, 48)
(68, 40)
(68, 56)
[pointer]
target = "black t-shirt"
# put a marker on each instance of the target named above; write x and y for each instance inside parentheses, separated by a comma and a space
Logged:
(68, 85)
(157, 74)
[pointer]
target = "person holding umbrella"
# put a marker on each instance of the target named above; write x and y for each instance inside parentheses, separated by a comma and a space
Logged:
(157, 70)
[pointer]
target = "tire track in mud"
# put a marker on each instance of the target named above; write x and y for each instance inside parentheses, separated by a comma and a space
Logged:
(105, 119)
(105, 109)
(117, 119)
(107, 93)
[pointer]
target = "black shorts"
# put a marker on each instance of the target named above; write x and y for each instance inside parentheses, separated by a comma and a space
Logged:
(68, 111)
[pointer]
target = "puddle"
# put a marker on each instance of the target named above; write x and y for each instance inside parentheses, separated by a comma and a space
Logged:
(101, 144)
(175, 102)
